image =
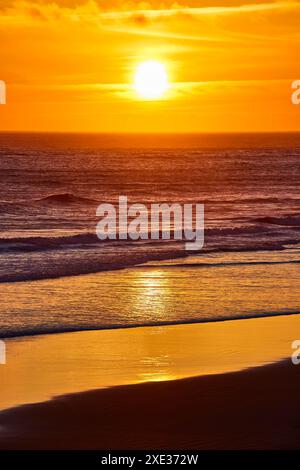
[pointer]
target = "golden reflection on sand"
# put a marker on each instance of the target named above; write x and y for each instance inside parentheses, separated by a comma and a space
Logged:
(40, 367)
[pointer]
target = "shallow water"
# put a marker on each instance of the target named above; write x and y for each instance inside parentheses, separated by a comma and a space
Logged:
(50, 187)
(195, 289)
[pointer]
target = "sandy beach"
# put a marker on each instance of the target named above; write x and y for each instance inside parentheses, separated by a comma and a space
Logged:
(228, 385)
(254, 409)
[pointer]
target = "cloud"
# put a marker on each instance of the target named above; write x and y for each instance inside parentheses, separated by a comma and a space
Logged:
(105, 5)
(55, 37)
(140, 13)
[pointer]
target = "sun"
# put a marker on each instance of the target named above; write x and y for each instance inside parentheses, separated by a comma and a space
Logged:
(151, 80)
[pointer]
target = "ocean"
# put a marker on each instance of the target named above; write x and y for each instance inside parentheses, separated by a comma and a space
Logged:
(55, 275)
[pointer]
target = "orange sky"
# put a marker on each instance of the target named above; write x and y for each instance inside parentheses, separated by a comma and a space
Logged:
(69, 65)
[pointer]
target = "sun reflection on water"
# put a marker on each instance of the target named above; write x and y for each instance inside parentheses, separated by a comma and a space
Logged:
(152, 293)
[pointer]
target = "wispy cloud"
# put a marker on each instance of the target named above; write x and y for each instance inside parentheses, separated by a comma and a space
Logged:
(138, 12)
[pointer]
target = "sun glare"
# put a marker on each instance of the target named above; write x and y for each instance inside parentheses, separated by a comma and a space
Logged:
(151, 80)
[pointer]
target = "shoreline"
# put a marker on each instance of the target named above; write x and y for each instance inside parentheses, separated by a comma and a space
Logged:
(251, 409)
(33, 334)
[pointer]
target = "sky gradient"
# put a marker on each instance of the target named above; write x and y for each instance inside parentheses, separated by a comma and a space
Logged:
(69, 65)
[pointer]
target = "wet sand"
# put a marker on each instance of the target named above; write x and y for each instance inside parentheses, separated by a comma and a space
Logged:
(41, 367)
(221, 385)
(252, 409)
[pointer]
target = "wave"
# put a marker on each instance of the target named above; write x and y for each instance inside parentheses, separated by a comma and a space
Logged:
(216, 265)
(64, 198)
(67, 198)
(287, 220)
(78, 261)
(15, 333)
(251, 200)
(33, 243)
(38, 257)
(57, 199)
(37, 243)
